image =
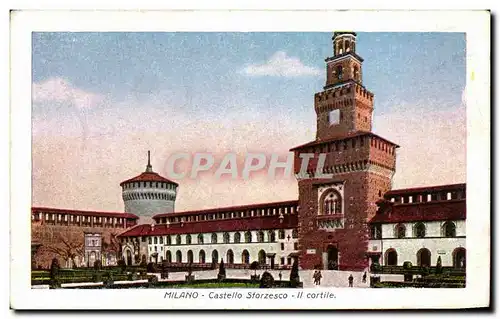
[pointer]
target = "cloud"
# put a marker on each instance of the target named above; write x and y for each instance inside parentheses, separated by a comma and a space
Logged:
(59, 90)
(64, 175)
(281, 65)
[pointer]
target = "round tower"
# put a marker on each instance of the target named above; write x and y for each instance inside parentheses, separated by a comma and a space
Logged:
(148, 194)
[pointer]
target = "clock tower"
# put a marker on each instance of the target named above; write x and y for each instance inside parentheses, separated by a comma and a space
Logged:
(336, 203)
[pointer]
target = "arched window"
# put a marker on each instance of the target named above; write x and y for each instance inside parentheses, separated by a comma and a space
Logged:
(346, 46)
(262, 257)
(332, 203)
(356, 73)
(272, 236)
(168, 256)
(169, 240)
(215, 256)
(226, 238)
(248, 237)
(449, 229)
(419, 230)
(149, 240)
(424, 257)
(178, 256)
(156, 240)
(281, 234)
(459, 257)
(200, 238)
(201, 258)
(245, 257)
(400, 231)
(339, 72)
(190, 256)
(260, 236)
(230, 257)
(214, 238)
(391, 257)
(295, 234)
(161, 240)
(188, 239)
(178, 239)
(237, 237)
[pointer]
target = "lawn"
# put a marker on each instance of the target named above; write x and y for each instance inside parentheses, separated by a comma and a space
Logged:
(212, 285)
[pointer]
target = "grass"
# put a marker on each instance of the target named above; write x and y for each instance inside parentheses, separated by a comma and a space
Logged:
(212, 285)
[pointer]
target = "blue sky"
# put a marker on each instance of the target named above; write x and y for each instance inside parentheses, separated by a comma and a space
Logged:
(101, 100)
(203, 67)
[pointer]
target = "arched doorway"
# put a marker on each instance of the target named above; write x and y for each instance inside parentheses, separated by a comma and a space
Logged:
(262, 257)
(230, 257)
(201, 258)
(129, 257)
(459, 258)
(92, 258)
(424, 257)
(245, 257)
(332, 257)
(168, 257)
(215, 256)
(190, 256)
(391, 257)
(178, 256)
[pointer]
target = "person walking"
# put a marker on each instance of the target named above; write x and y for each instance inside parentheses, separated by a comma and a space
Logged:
(280, 275)
(315, 277)
(351, 280)
(319, 276)
(364, 277)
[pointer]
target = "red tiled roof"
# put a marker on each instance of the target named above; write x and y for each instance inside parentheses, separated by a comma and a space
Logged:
(208, 226)
(429, 211)
(342, 137)
(82, 212)
(229, 209)
(426, 189)
(148, 177)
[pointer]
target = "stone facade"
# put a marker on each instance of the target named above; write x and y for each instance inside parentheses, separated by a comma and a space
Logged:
(61, 234)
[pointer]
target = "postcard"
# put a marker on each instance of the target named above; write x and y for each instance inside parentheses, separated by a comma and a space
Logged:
(250, 160)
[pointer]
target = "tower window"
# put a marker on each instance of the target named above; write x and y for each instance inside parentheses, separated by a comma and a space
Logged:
(339, 72)
(334, 117)
(356, 73)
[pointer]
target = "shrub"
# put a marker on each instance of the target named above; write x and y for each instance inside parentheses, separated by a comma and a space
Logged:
(407, 265)
(222, 269)
(439, 266)
(375, 267)
(97, 265)
(267, 280)
(254, 266)
(152, 267)
(122, 265)
(54, 268)
(294, 274)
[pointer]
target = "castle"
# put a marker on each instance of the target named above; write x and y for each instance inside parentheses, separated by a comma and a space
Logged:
(346, 221)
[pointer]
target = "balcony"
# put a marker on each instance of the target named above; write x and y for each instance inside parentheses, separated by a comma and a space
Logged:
(330, 222)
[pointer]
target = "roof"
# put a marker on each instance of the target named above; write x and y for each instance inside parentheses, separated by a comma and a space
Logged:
(429, 211)
(210, 226)
(426, 189)
(148, 177)
(342, 137)
(83, 212)
(229, 209)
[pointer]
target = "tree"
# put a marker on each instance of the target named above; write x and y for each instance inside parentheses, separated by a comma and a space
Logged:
(439, 266)
(294, 274)
(67, 245)
(254, 266)
(267, 280)
(222, 270)
(112, 246)
(54, 274)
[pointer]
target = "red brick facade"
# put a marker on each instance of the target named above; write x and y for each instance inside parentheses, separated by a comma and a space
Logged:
(361, 164)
